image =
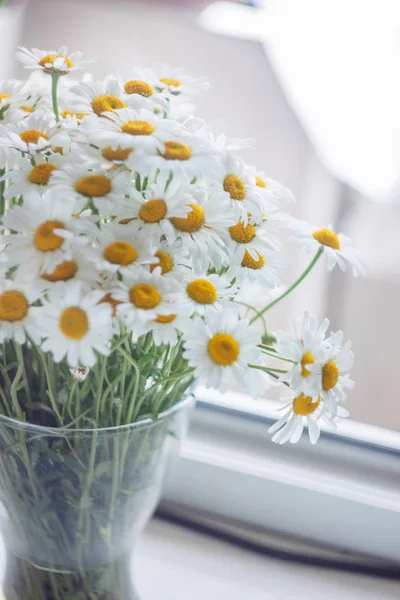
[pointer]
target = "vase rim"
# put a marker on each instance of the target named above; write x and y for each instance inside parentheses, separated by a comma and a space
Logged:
(64, 432)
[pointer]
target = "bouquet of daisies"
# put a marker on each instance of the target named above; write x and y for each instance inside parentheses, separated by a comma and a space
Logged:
(129, 227)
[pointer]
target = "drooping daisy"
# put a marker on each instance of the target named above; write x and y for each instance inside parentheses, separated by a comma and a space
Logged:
(85, 185)
(151, 210)
(334, 372)
(234, 185)
(143, 296)
(337, 247)
(304, 411)
(119, 248)
(141, 130)
(31, 135)
(220, 348)
(18, 316)
(51, 61)
(75, 325)
(31, 180)
(45, 233)
(306, 347)
(202, 292)
(265, 268)
(99, 97)
(199, 229)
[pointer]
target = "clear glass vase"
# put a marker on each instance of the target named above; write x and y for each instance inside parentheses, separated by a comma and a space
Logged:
(74, 501)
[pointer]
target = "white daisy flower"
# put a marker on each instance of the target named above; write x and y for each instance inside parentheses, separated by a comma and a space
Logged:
(186, 154)
(118, 248)
(85, 185)
(306, 348)
(304, 411)
(31, 135)
(334, 372)
(140, 130)
(220, 348)
(79, 267)
(18, 318)
(176, 81)
(251, 238)
(31, 180)
(234, 185)
(271, 191)
(257, 267)
(51, 61)
(102, 156)
(202, 292)
(199, 229)
(336, 246)
(75, 325)
(150, 211)
(143, 296)
(12, 95)
(99, 97)
(170, 258)
(216, 134)
(166, 328)
(45, 234)
(144, 84)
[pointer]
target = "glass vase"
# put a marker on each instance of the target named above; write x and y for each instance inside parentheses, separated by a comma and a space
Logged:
(74, 501)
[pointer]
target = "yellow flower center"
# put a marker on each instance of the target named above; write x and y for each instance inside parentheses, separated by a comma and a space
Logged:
(69, 113)
(235, 187)
(223, 349)
(138, 128)
(249, 262)
(304, 405)
(145, 296)
(45, 239)
(4, 97)
(176, 151)
(202, 291)
(93, 186)
(28, 109)
(193, 222)
(165, 318)
(170, 81)
(134, 86)
(108, 299)
(307, 359)
(119, 153)
(50, 58)
(63, 272)
(13, 306)
(153, 211)
(327, 238)
(330, 375)
(120, 253)
(165, 262)
(74, 323)
(32, 136)
(260, 182)
(241, 233)
(41, 173)
(103, 104)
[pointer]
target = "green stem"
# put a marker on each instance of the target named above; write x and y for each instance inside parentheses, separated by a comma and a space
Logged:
(54, 83)
(100, 385)
(277, 356)
(267, 369)
(292, 287)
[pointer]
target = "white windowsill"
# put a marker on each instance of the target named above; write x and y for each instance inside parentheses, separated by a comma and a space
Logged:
(174, 563)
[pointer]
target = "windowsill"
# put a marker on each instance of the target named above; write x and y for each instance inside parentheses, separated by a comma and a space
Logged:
(176, 563)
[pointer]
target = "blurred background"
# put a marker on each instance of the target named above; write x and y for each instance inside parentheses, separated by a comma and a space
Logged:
(317, 84)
